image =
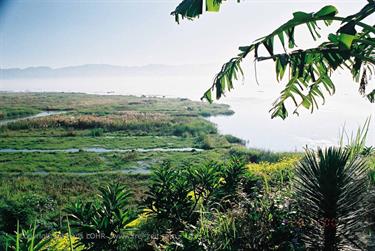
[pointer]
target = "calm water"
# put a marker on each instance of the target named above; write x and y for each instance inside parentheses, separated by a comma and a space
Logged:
(250, 102)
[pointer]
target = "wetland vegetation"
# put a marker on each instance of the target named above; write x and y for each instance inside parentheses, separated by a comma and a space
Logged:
(135, 162)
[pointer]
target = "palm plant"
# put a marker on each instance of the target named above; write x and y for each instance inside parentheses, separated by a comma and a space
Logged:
(331, 187)
(99, 225)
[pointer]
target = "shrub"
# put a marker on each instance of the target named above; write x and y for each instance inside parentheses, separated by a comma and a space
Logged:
(99, 224)
(167, 196)
(275, 174)
(25, 210)
(257, 156)
(214, 231)
(331, 189)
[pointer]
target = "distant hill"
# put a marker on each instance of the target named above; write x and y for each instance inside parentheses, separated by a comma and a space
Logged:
(103, 70)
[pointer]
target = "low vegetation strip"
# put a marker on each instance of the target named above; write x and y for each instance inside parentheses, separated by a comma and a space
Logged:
(131, 142)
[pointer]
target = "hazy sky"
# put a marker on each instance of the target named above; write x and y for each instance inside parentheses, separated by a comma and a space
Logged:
(136, 32)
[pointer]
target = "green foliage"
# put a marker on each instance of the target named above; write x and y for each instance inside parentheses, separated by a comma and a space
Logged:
(97, 132)
(167, 196)
(351, 47)
(193, 8)
(331, 187)
(26, 210)
(188, 9)
(234, 140)
(214, 231)
(99, 224)
(258, 155)
(278, 174)
(30, 239)
(235, 214)
(270, 221)
(194, 128)
(212, 141)
(16, 112)
(357, 144)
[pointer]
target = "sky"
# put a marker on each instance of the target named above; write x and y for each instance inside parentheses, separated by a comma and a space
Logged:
(59, 33)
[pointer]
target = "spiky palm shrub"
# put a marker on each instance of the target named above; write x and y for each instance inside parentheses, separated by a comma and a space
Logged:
(331, 187)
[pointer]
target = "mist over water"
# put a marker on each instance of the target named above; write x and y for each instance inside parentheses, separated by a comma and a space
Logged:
(251, 103)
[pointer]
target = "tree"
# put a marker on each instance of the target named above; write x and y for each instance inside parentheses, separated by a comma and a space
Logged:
(310, 70)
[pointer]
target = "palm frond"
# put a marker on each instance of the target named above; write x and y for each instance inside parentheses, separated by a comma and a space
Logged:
(309, 70)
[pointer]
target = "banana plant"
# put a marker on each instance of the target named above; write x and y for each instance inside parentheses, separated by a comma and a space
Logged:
(309, 70)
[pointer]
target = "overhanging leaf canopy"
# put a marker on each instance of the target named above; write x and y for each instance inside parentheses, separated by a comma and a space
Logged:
(309, 71)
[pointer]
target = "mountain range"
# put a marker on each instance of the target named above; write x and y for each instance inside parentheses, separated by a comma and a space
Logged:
(104, 70)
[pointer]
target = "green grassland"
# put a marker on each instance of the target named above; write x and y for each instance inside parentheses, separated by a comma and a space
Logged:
(131, 142)
(104, 162)
(31, 103)
(37, 185)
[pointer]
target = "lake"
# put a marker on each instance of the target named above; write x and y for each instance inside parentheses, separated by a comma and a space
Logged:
(251, 103)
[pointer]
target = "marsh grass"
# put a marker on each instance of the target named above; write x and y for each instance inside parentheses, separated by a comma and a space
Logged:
(16, 112)
(109, 104)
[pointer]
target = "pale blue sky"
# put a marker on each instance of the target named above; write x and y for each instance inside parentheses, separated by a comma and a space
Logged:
(135, 32)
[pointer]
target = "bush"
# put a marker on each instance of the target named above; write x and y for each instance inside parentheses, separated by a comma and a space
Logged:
(275, 174)
(99, 224)
(26, 210)
(257, 155)
(97, 132)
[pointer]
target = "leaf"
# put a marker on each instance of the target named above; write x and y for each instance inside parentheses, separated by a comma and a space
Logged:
(280, 111)
(281, 64)
(371, 96)
(327, 11)
(290, 33)
(207, 96)
(306, 103)
(346, 40)
(348, 28)
(188, 9)
(301, 16)
(281, 37)
(212, 5)
(333, 38)
(269, 45)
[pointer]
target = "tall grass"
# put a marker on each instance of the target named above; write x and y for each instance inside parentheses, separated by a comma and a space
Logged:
(356, 143)
(134, 123)
(9, 113)
(69, 235)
